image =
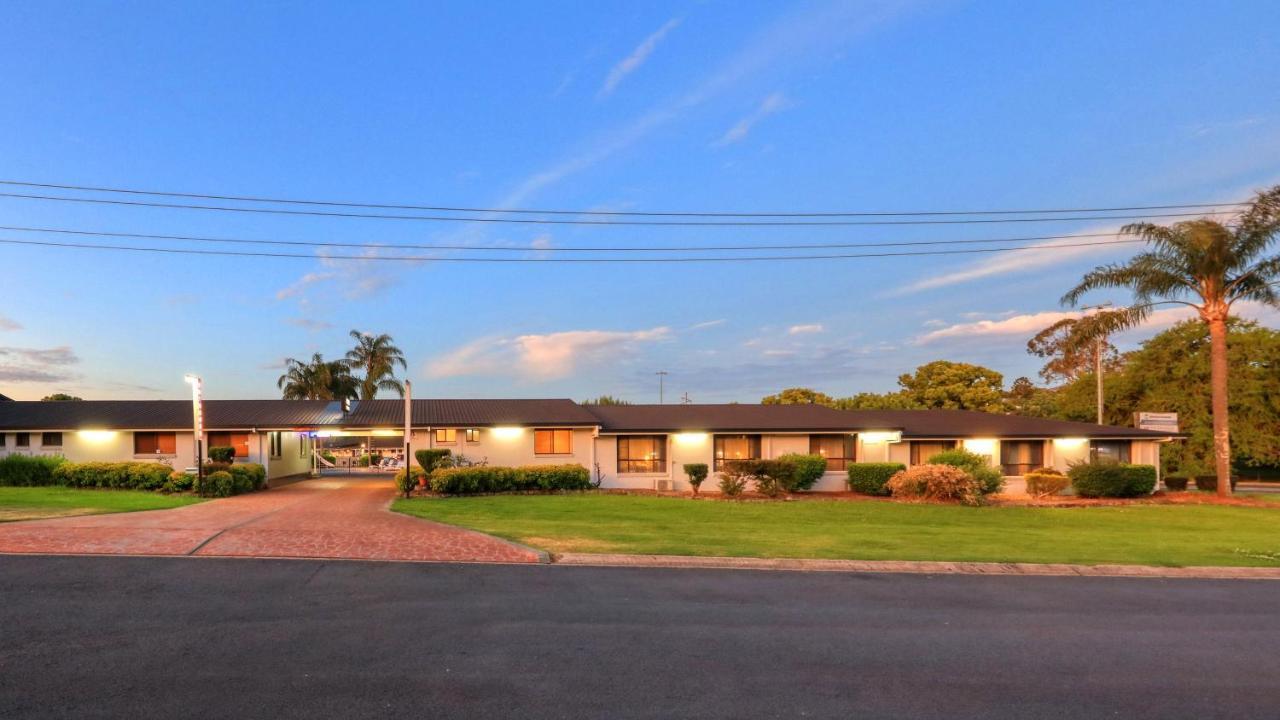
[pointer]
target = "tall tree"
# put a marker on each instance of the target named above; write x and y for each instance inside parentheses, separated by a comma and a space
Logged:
(318, 379)
(376, 356)
(954, 386)
(1206, 265)
(799, 396)
(877, 401)
(1072, 347)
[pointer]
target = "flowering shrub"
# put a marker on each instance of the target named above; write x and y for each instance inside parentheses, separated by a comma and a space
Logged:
(989, 479)
(937, 483)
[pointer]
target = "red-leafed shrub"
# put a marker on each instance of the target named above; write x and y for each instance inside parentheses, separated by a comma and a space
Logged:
(937, 483)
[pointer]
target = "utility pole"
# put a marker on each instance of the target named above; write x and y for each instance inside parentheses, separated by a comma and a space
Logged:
(662, 376)
(1098, 344)
(684, 399)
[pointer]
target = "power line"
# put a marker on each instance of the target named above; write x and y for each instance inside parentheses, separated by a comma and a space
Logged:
(412, 258)
(498, 248)
(545, 221)
(603, 213)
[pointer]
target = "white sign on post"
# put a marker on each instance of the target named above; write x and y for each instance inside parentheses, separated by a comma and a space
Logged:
(1160, 422)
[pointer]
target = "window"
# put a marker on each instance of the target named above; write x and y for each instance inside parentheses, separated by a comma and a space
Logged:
(922, 450)
(2, 437)
(473, 435)
(51, 439)
(239, 441)
(22, 439)
(275, 442)
(1019, 457)
(839, 450)
(1114, 450)
(304, 446)
(642, 453)
(552, 442)
(155, 443)
(736, 447)
(446, 436)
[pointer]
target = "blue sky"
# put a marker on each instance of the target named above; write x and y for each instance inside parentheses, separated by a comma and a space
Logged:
(655, 106)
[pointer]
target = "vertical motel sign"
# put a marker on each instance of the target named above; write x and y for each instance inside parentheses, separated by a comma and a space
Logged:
(197, 414)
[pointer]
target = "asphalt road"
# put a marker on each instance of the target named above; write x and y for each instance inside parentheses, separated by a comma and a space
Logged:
(225, 638)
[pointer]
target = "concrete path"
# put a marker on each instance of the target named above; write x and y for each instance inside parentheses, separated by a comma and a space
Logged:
(331, 517)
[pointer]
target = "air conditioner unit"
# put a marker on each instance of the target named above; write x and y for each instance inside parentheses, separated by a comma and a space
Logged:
(664, 485)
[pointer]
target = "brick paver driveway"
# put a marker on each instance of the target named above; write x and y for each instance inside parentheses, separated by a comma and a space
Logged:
(330, 517)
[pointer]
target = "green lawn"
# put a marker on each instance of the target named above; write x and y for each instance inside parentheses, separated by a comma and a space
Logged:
(1169, 535)
(31, 503)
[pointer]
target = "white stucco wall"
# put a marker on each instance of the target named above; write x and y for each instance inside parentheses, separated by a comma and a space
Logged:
(510, 447)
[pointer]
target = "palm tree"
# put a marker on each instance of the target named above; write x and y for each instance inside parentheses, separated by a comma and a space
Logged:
(1206, 265)
(319, 379)
(377, 356)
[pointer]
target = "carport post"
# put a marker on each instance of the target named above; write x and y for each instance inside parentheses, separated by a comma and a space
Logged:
(408, 428)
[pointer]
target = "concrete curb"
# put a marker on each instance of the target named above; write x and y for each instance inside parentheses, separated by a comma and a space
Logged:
(919, 568)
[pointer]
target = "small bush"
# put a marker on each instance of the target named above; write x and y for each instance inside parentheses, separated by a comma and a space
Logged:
(872, 478)
(113, 475)
(217, 485)
(990, 480)
(1046, 481)
(496, 479)
(409, 478)
(222, 454)
(28, 470)
(1176, 483)
(432, 459)
(248, 477)
(1209, 483)
(808, 469)
(1111, 479)
(733, 477)
(213, 467)
(937, 483)
(697, 473)
(553, 477)
(178, 482)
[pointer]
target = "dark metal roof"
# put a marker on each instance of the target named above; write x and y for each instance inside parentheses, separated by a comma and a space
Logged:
(721, 418)
(4, 398)
(279, 414)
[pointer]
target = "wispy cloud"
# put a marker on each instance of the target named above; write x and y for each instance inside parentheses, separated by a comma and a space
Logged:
(310, 324)
(805, 329)
(7, 323)
(37, 365)
(707, 324)
(773, 104)
(301, 284)
(632, 62)
(542, 357)
(1025, 325)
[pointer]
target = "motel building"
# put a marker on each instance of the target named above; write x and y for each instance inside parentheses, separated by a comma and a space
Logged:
(630, 446)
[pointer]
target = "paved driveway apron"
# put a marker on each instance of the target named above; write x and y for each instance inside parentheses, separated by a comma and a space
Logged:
(332, 517)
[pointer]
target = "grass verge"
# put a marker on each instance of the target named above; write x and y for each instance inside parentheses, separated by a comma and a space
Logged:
(1165, 535)
(34, 503)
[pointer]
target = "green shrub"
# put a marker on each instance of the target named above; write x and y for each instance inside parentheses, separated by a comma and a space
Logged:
(808, 469)
(146, 475)
(248, 477)
(409, 478)
(873, 478)
(938, 483)
(496, 479)
(29, 470)
(1176, 483)
(432, 459)
(990, 480)
(1112, 479)
(734, 475)
(1045, 482)
(1209, 483)
(213, 467)
(222, 453)
(178, 482)
(697, 473)
(329, 457)
(113, 475)
(217, 485)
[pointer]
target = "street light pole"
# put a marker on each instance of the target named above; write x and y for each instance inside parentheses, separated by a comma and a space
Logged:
(197, 413)
(1097, 360)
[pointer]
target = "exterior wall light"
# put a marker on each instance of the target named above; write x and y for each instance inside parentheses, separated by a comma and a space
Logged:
(876, 437)
(97, 436)
(691, 438)
(508, 433)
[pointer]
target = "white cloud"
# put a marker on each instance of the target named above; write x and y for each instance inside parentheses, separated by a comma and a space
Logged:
(1027, 325)
(805, 329)
(770, 105)
(547, 356)
(632, 62)
(707, 324)
(7, 323)
(37, 365)
(301, 284)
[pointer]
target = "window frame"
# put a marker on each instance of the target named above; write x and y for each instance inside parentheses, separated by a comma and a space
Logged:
(849, 448)
(648, 466)
(472, 436)
(159, 451)
(3, 439)
(1125, 455)
(22, 439)
(435, 436)
(51, 434)
(555, 433)
(1005, 466)
(914, 449)
(754, 447)
(230, 436)
(275, 445)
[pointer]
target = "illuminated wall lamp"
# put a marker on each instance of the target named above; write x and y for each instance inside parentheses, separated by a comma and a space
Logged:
(691, 438)
(97, 436)
(507, 433)
(881, 436)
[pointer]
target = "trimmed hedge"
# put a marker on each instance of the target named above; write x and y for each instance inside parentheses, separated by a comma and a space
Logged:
(1046, 481)
(217, 485)
(497, 479)
(248, 477)
(1176, 483)
(873, 478)
(432, 459)
(222, 453)
(808, 469)
(29, 470)
(178, 481)
(113, 475)
(697, 473)
(408, 478)
(1112, 479)
(1209, 483)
